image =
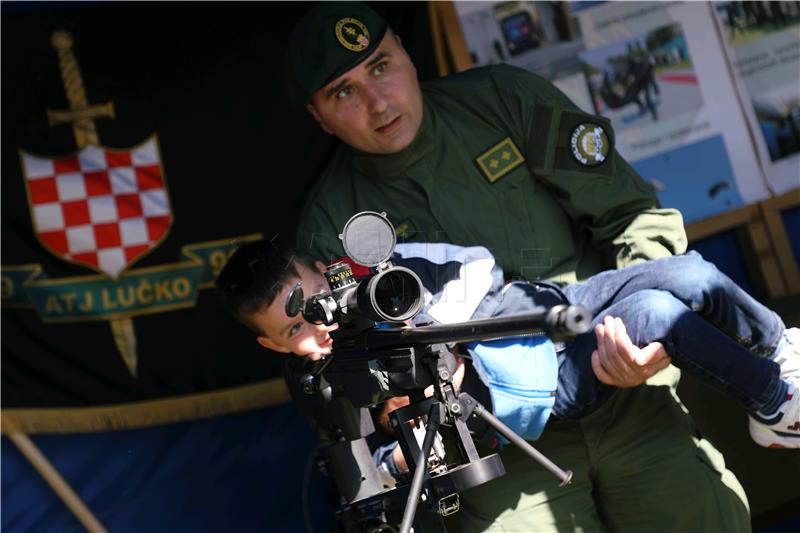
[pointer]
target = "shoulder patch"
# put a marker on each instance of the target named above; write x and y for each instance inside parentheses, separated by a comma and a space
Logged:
(499, 160)
(589, 144)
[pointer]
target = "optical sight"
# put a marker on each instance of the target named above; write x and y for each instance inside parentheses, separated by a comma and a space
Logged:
(393, 294)
(369, 364)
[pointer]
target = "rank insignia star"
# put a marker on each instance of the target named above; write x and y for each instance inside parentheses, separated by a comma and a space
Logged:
(499, 160)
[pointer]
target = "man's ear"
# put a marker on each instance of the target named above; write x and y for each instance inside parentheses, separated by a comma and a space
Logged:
(313, 110)
(321, 267)
(267, 343)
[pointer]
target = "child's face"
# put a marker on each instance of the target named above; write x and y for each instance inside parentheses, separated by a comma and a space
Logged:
(287, 334)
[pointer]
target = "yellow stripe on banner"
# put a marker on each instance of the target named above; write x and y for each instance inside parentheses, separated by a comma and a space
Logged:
(146, 414)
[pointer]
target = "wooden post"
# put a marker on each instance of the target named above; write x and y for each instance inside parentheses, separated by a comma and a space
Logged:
(761, 258)
(763, 241)
(450, 47)
(771, 213)
(438, 41)
(56, 482)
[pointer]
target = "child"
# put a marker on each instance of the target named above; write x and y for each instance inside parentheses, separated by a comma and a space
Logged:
(707, 324)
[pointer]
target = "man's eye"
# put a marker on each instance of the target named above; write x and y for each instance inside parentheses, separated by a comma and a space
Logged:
(379, 69)
(344, 92)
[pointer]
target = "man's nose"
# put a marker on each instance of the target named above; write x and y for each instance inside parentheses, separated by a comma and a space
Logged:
(376, 100)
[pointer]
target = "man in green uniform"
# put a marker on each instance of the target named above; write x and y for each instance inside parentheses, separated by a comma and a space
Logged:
(499, 157)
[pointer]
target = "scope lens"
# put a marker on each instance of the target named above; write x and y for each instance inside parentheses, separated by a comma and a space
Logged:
(396, 294)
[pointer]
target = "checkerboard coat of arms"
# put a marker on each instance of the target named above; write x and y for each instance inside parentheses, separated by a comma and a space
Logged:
(101, 208)
(105, 209)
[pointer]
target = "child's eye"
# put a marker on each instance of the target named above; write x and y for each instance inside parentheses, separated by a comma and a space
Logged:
(344, 92)
(294, 330)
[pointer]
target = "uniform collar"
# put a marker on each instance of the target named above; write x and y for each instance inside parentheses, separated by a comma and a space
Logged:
(397, 165)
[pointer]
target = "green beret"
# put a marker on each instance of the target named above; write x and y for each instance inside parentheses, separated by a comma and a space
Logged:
(329, 40)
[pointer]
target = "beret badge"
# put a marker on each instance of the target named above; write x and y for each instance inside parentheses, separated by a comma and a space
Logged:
(352, 34)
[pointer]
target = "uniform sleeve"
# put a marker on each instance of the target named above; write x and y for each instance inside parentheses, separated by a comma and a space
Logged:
(652, 232)
(610, 202)
(317, 235)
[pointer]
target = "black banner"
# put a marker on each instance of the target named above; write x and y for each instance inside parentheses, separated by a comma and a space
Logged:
(206, 78)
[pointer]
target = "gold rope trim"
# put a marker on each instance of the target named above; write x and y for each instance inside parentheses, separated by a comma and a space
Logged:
(146, 414)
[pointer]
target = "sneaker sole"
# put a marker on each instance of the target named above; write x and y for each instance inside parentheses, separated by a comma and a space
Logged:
(772, 439)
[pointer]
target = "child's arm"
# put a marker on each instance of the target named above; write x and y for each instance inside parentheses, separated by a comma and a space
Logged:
(618, 362)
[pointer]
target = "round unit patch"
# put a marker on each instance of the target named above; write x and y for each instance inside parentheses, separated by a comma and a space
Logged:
(589, 144)
(352, 34)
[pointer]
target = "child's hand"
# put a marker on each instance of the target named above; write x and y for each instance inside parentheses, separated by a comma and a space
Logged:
(618, 362)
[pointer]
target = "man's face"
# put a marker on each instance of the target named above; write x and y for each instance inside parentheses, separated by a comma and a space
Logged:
(286, 334)
(375, 107)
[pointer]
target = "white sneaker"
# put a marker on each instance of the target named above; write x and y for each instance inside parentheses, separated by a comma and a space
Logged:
(789, 356)
(783, 430)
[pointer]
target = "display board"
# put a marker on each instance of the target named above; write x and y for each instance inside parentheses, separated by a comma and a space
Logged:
(762, 42)
(656, 69)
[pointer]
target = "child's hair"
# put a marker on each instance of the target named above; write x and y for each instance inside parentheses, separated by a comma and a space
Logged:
(254, 276)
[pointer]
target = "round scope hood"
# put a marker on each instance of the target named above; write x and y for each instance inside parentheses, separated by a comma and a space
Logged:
(368, 238)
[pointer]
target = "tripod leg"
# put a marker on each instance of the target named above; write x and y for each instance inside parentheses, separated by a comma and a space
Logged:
(564, 477)
(434, 419)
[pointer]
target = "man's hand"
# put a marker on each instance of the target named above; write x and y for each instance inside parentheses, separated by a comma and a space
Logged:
(618, 362)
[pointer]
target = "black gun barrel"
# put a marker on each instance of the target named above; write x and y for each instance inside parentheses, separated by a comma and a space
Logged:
(560, 322)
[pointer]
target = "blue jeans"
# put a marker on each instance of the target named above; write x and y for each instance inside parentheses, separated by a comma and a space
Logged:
(707, 323)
